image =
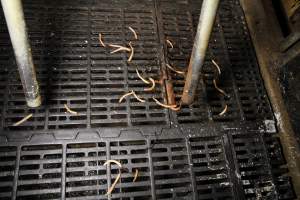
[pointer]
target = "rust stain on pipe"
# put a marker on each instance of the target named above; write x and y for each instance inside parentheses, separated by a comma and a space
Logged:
(170, 92)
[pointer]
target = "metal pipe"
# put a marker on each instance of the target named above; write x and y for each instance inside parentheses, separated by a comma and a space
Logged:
(204, 29)
(14, 16)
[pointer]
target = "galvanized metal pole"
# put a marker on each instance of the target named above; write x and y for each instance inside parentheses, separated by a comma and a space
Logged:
(14, 16)
(205, 26)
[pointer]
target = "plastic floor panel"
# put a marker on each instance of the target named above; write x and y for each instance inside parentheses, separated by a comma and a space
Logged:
(190, 154)
(173, 165)
(74, 69)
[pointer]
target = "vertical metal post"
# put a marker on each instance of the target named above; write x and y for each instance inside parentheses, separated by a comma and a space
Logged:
(14, 16)
(204, 29)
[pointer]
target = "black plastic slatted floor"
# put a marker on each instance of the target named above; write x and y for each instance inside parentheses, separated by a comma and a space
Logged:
(190, 154)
